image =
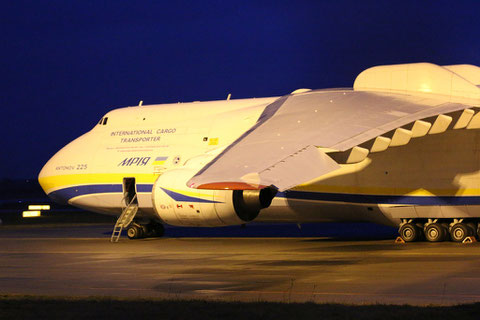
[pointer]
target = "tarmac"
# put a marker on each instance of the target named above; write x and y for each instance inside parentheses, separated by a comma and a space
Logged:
(79, 260)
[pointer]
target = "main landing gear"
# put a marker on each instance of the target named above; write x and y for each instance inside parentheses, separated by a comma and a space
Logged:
(437, 230)
(140, 231)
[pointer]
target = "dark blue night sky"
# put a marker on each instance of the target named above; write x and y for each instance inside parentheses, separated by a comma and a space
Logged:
(63, 64)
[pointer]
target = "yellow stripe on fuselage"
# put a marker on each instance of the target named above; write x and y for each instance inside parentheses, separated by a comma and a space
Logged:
(196, 194)
(64, 181)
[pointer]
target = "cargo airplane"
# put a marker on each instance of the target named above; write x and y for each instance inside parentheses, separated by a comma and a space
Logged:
(400, 148)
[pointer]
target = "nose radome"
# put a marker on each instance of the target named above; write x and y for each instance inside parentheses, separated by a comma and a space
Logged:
(41, 178)
(62, 164)
(47, 174)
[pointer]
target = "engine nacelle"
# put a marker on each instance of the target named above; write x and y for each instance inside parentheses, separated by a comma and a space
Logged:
(179, 205)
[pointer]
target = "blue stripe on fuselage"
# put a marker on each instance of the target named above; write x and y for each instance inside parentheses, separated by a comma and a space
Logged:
(381, 199)
(63, 195)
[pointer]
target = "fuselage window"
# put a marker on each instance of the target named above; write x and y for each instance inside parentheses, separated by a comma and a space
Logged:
(100, 122)
(105, 120)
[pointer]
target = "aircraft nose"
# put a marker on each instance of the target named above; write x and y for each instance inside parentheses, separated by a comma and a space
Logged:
(42, 177)
(61, 173)
(47, 178)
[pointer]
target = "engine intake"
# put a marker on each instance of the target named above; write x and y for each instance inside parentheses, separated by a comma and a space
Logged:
(248, 203)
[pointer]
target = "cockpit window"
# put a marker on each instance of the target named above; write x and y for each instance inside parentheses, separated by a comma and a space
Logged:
(103, 121)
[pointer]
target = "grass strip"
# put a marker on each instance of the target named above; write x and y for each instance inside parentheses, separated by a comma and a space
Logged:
(43, 307)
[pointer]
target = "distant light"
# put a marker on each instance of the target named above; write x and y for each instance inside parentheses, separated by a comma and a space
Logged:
(39, 207)
(30, 214)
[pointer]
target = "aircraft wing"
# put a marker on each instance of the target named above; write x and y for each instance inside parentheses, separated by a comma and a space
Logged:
(300, 137)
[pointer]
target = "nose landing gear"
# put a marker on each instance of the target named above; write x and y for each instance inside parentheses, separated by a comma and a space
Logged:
(140, 231)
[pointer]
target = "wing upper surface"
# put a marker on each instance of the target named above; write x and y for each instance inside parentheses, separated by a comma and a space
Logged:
(278, 149)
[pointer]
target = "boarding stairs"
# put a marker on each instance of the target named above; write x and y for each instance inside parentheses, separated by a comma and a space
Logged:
(125, 219)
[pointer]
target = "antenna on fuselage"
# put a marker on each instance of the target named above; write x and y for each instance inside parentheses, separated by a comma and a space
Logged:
(140, 103)
(229, 96)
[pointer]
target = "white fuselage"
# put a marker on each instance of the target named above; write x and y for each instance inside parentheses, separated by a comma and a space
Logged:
(431, 176)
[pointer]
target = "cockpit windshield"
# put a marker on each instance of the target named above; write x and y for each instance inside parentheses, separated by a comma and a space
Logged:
(103, 121)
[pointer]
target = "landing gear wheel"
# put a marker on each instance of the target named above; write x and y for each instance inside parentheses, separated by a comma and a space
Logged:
(435, 232)
(134, 232)
(459, 231)
(473, 229)
(158, 230)
(409, 232)
(144, 231)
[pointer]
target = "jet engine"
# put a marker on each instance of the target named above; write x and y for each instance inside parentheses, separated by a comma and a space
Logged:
(179, 205)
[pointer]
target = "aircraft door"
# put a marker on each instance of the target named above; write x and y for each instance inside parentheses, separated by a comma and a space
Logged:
(129, 191)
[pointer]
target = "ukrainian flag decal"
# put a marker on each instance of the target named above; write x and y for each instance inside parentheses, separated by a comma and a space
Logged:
(159, 161)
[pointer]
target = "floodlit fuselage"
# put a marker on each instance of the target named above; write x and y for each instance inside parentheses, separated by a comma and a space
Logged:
(432, 175)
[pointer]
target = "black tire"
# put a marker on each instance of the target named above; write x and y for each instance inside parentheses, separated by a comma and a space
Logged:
(472, 228)
(158, 230)
(435, 232)
(409, 232)
(459, 231)
(145, 230)
(134, 232)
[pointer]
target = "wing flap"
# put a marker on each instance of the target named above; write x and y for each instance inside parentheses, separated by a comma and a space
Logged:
(298, 168)
(289, 172)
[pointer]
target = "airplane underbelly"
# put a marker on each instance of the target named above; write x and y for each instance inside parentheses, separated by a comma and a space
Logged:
(290, 209)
